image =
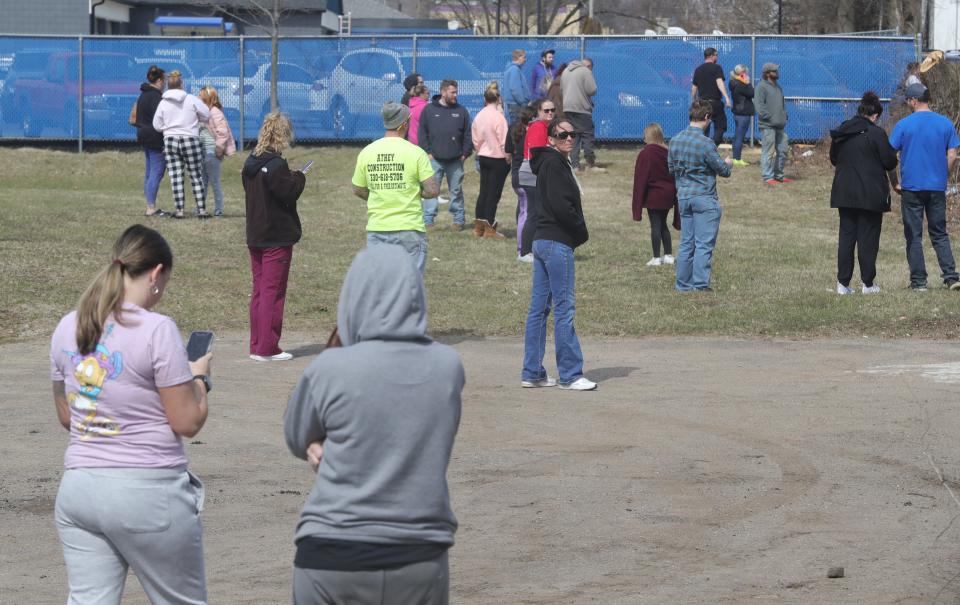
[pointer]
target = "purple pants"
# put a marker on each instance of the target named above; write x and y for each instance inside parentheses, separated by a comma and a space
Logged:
(270, 268)
(521, 216)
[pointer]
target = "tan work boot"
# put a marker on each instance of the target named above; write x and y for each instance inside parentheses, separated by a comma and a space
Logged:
(456, 227)
(479, 226)
(491, 231)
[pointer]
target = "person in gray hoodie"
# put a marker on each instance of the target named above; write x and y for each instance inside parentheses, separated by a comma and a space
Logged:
(579, 87)
(772, 119)
(377, 420)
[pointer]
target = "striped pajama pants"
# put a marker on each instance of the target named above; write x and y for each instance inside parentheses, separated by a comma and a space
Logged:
(185, 152)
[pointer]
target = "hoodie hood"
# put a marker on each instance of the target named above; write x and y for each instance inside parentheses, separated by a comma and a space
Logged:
(417, 102)
(574, 65)
(436, 101)
(255, 163)
(539, 155)
(148, 87)
(177, 95)
(382, 298)
(850, 128)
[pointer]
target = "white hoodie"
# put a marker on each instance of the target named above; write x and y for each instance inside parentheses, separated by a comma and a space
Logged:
(180, 114)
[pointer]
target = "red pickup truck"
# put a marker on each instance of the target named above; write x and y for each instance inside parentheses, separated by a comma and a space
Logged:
(110, 87)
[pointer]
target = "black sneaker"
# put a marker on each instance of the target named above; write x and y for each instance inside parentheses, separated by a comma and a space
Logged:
(953, 284)
(918, 287)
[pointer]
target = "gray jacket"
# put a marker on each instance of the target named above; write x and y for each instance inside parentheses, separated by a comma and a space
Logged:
(386, 407)
(768, 101)
(578, 87)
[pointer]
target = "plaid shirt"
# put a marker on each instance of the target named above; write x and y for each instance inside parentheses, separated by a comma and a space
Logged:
(694, 163)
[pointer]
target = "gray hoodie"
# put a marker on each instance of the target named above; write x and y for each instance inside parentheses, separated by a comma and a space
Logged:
(771, 109)
(386, 407)
(579, 87)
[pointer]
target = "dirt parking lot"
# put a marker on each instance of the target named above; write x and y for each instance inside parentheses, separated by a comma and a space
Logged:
(701, 471)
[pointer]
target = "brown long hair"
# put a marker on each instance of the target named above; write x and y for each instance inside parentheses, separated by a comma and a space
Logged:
(275, 134)
(519, 128)
(137, 251)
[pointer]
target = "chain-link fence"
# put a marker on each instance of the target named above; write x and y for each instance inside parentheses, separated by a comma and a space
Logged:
(58, 88)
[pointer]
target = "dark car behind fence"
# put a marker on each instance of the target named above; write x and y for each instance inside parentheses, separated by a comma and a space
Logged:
(82, 88)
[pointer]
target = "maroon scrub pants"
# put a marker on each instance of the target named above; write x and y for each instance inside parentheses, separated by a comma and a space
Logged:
(270, 268)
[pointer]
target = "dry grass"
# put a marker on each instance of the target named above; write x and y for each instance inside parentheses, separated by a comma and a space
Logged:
(774, 266)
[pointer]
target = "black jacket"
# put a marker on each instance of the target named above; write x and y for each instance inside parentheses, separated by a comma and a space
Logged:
(742, 98)
(560, 216)
(271, 191)
(445, 131)
(146, 107)
(862, 154)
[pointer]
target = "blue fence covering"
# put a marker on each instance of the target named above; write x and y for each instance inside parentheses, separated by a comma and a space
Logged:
(333, 87)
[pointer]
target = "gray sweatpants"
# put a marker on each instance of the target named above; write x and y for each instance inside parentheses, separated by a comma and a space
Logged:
(426, 583)
(113, 518)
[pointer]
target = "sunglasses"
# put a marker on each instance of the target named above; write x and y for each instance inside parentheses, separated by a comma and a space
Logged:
(551, 110)
(563, 135)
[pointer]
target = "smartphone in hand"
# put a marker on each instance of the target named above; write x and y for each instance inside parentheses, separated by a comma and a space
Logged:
(199, 344)
(306, 167)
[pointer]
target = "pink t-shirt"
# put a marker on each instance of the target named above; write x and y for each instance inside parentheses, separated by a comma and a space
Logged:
(116, 417)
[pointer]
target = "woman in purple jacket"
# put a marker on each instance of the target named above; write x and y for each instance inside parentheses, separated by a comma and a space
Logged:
(655, 190)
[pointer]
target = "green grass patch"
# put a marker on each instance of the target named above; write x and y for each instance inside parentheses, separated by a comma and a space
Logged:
(774, 268)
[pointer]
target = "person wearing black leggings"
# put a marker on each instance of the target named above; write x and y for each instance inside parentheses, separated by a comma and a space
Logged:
(655, 190)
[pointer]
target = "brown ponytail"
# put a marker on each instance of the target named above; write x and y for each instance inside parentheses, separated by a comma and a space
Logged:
(137, 251)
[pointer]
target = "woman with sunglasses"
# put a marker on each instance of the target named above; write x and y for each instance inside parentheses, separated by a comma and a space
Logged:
(536, 137)
(561, 227)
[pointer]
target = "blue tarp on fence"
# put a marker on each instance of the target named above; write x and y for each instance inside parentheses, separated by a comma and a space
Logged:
(333, 87)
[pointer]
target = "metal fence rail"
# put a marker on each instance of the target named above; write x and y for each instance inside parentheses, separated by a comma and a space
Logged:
(82, 88)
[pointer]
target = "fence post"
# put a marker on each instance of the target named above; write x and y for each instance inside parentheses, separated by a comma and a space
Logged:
(414, 59)
(243, 124)
(80, 94)
(583, 46)
(753, 74)
(918, 46)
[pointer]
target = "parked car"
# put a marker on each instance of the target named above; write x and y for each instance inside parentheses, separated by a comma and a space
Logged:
(109, 90)
(365, 79)
(802, 79)
(300, 95)
(27, 64)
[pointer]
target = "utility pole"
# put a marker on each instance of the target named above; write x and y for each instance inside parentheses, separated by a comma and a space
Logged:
(539, 17)
(499, 6)
(779, 16)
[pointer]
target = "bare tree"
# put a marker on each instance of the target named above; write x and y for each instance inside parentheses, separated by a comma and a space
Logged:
(516, 15)
(264, 15)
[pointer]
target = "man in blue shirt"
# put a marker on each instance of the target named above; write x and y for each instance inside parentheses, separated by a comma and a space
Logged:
(516, 94)
(543, 74)
(694, 163)
(927, 142)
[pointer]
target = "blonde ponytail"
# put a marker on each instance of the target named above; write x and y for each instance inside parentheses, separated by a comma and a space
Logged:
(137, 251)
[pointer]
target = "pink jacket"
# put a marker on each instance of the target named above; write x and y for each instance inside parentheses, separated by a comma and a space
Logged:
(489, 132)
(416, 108)
(222, 134)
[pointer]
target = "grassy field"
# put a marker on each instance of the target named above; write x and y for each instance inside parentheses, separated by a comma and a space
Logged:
(774, 269)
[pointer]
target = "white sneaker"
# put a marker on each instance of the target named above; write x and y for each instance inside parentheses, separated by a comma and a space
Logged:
(281, 356)
(841, 289)
(536, 384)
(874, 289)
(580, 384)
(526, 258)
(654, 262)
(442, 200)
(668, 259)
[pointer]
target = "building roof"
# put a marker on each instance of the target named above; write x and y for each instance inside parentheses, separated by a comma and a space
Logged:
(297, 5)
(371, 9)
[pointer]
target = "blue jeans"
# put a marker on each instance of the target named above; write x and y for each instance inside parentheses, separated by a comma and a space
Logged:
(740, 133)
(156, 165)
(553, 281)
(211, 169)
(453, 169)
(413, 242)
(699, 226)
(774, 146)
(913, 205)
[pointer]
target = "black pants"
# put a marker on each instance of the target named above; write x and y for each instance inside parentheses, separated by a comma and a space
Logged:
(530, 226)
(659, 231)
(582, 123)
(860, 229)
(718, 120)
(493, 174)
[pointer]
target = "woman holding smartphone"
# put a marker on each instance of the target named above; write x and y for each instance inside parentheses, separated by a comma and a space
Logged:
(126, 393)
(273, 227)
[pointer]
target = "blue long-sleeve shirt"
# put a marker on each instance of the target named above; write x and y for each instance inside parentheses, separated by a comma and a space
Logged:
(694, 163)
(542, 78)
(515, 86)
